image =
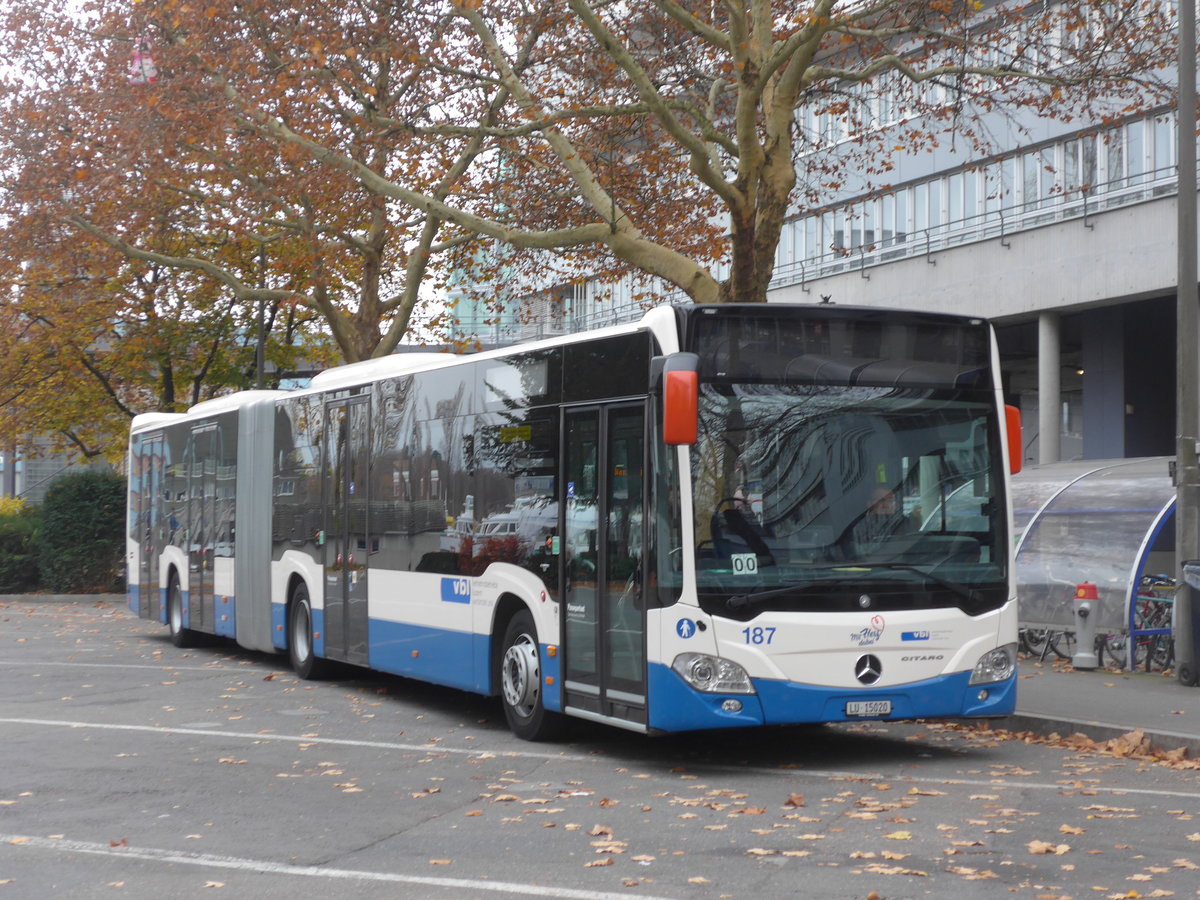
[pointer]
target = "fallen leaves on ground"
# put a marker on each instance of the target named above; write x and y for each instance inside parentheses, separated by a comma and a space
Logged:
(879, 869)
(972, 874)
(1131, 745)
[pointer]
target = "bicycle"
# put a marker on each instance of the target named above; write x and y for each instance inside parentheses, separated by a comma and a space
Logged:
(1150, 640)
(1041, 641)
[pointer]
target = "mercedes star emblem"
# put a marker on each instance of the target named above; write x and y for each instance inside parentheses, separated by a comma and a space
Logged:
(868, 669)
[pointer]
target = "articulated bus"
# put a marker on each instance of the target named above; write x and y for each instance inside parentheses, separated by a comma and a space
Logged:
(717, 516)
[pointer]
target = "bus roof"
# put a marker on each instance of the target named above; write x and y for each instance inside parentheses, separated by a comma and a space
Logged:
(146, 420)
(374, 369)
(232, 401)
(659, 320)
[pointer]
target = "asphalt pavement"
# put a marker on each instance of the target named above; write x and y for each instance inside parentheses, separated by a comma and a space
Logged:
(1052, 698)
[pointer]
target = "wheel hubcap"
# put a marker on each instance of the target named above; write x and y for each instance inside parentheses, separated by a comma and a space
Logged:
(300, 632)
(520, 676)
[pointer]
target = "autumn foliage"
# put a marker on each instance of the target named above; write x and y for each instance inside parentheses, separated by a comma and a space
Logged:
(173, 167)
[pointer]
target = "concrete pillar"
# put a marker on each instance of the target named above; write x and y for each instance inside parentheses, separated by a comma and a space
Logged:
(1104, 383)
(1049, 388)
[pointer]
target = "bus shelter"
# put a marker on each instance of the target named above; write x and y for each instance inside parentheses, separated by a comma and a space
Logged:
(1105, 522)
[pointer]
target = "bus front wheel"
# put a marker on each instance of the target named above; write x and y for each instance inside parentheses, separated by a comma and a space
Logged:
(521, 683)
(305, 661)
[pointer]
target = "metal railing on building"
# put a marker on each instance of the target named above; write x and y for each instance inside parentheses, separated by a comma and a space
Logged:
(998, 224)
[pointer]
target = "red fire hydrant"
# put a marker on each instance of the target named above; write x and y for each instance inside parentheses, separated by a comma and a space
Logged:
(1085, 607)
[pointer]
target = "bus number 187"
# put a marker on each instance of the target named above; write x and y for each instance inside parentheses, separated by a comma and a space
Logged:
(759, 635)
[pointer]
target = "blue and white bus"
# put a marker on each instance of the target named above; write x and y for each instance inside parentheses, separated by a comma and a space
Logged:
(717, 516)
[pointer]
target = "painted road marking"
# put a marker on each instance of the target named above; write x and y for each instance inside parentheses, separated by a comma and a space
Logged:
(303, 739)
(160, 667)
(266, 867)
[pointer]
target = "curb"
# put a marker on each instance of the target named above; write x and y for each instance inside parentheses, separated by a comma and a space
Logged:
(1045, 726)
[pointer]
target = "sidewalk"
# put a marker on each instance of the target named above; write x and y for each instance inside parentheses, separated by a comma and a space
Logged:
(1103, 705)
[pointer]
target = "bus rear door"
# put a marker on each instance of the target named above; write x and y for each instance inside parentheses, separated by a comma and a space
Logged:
(202, 524)
(148, 528)
(347, 446)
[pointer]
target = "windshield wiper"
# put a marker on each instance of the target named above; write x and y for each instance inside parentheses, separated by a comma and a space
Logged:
(954, 587)
(752, 598)
(741, 601)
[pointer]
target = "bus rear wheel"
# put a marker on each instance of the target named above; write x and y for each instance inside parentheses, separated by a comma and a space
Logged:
(521, 683)
(180, 636)
(301, 652)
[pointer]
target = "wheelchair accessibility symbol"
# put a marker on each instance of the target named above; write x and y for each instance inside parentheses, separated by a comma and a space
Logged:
(685, 628)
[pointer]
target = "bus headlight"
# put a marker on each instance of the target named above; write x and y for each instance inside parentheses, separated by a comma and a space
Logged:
(995, 665)
(712, 674)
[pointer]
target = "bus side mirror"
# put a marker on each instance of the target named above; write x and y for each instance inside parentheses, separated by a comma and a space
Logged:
(676, 378)
(1012, 422)
(681, 407)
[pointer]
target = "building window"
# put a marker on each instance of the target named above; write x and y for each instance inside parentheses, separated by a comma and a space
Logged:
(1114, 157)
(1164, 145)
(1135, 143)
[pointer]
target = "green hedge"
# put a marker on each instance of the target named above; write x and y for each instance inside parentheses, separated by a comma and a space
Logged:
(82, 537)
(19, 569)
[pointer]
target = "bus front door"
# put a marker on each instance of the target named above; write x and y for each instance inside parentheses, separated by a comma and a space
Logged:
(347, 436)
(604, 624)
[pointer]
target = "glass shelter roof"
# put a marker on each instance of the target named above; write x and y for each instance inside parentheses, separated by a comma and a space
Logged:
(1090, 520)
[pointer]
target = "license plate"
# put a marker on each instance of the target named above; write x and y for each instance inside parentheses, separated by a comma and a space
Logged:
(869, 707)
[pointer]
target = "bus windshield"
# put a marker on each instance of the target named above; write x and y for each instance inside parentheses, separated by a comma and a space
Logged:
(824, 498)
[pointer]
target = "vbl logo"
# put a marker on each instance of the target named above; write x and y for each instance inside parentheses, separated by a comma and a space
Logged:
(456, 590)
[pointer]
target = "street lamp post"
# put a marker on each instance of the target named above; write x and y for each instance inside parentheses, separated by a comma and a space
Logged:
(1187, 467)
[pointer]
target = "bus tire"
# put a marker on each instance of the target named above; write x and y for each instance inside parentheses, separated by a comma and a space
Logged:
(520, 680)
(301, 646)
(180, 636)
(1189, 674)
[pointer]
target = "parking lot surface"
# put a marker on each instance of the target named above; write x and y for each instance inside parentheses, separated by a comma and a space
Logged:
(132, 768)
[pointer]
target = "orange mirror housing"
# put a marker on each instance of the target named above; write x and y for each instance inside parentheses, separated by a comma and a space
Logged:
(681, 407)
(1012, 423)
